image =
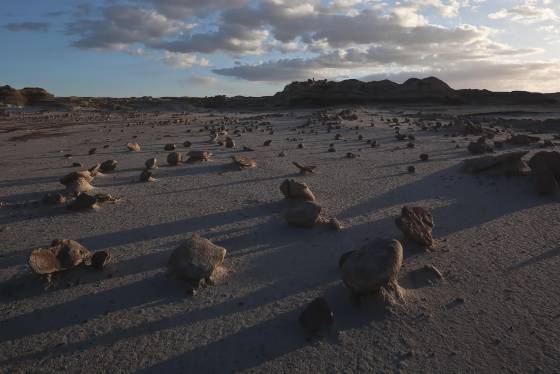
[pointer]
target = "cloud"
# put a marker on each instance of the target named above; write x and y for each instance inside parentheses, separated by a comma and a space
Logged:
(202, 80)
(529, 12)
(28, 26)
(183, 60)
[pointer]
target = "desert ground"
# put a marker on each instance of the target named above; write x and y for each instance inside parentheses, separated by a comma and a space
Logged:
(495, 308)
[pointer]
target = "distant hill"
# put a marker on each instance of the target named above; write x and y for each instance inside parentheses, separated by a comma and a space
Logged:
(29, 96)
(414, 90)
(312, 92)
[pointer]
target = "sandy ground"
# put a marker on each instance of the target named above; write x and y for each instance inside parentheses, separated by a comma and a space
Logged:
(496, 310)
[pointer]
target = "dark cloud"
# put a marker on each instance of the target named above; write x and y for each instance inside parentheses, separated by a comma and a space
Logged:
(28, 26)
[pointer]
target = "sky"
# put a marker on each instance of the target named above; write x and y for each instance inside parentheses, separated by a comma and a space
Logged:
(255, 47)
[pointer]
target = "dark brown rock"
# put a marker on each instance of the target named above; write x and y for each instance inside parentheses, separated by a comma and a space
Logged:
(416, 223)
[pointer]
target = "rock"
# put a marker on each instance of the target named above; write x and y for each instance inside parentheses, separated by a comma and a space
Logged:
(174, 158)
(545, 167)
(416, 223)
(374, 266)
(331, 149)
(411, 169)
(196, 259)
(267, 143)
(296, 190)
(77, 182)
(248, 149)
(77, 164)
(199, 156)
(304, 215)
(74, 176)
(92, 151)
(352, 155)
(84, 201)
(230, 143)
(100, 259)
(105, 198)
(146, 176)
(133, 147)
(151, 163)
(521, 139)
(169, 147)
(244, 162)
(424, 157)
(305, 169)
(479, 148)
(53, 198)
(108, 166)
(187, 144)
(508, 164)
(282, 154)
(335, 224)
(316, 316)
(301, 146)
(61, 255)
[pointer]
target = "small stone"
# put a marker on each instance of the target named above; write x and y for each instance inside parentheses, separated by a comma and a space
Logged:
(108, 166)
(267, 143)
(146, 176)
(100, 259)
(196, 259)
(187, 144)
(151, 163)
(92, 151)
(169, 147)
(424, 157)
(63, 254)
(316, 316)
(77, 164)
(411, 169)
(292, 189)
(133, 147)
(416, 223)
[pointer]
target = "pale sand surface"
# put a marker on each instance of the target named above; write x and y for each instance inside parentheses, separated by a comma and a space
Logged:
(498, 248)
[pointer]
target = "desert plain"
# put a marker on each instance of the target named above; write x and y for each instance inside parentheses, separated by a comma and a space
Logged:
(484, 298)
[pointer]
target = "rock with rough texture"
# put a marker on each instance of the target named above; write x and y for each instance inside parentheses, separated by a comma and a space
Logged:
(187, 144)
(374, 266)
(195, 259)
(229, 143)
(174, 158)
(508, 164)
(108, 166)
(316, 316)
(296, 190)
(62, 255)
(306, 214)
(417, 224)
(545, 168)
(84, 201)
(169, 147)
(244, 162)
(133, 147)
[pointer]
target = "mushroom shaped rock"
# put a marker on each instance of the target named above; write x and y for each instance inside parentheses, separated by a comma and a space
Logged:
(61, 255)
(296, 190)
(374, 266)
(174, 158)
(196, 259)
(306, 214)
(416, 223)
